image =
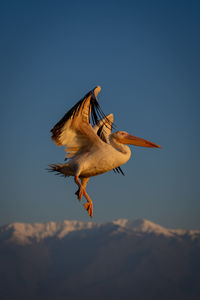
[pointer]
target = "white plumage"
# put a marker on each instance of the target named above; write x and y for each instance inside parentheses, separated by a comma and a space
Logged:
(91, 150)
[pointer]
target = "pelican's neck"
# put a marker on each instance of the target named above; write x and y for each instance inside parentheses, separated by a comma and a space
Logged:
(119, 146)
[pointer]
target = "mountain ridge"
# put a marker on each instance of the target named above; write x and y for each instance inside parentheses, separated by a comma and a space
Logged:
(122, 259)
(27, 233)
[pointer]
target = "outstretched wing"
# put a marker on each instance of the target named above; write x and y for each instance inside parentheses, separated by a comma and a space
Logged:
(74, 130)
(104, 128)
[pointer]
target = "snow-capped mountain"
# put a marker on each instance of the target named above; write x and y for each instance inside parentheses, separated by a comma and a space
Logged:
(121, 259)
(23, 233)
(27, 233)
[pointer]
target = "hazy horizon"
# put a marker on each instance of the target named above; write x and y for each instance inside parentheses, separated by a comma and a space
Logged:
(146, 57)
(93, 223)
(113, 261)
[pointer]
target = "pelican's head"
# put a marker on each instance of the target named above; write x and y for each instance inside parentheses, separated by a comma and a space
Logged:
(124, 137)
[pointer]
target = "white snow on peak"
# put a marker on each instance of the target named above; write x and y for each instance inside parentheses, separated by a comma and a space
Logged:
(22, 233)
(146, 226)
(143, 225)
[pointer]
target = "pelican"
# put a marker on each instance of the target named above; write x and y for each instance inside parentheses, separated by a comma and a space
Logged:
(91, 147)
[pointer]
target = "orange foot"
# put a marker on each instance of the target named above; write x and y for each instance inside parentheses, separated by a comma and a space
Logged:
(89, 207)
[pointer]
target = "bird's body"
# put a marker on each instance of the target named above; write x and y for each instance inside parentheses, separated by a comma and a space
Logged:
(97, 162)
(91, 150)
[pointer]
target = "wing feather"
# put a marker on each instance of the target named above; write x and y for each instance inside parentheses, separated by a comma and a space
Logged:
(74, 130)
(104, 128)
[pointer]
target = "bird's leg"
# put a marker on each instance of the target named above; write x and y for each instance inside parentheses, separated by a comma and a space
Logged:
(88, 206)
(79, 192)
(76, 179)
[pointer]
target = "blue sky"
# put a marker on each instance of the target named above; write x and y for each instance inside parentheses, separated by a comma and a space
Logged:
(146, 57)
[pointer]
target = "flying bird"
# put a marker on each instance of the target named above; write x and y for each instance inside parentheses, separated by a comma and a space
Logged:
(91, 147)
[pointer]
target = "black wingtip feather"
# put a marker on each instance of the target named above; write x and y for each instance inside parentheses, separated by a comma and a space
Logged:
(96, 115)
(119, 170)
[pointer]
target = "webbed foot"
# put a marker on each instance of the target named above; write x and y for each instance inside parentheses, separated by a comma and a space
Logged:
(89, 207)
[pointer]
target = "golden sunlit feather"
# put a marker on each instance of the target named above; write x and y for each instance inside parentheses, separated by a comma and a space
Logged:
(90, 145)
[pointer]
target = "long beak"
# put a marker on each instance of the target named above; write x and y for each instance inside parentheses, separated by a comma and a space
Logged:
(133, 140)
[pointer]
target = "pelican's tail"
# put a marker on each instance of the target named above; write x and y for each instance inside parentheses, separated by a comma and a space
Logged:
(61, 169)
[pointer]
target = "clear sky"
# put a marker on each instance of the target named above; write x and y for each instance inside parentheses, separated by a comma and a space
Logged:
(146, 57)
